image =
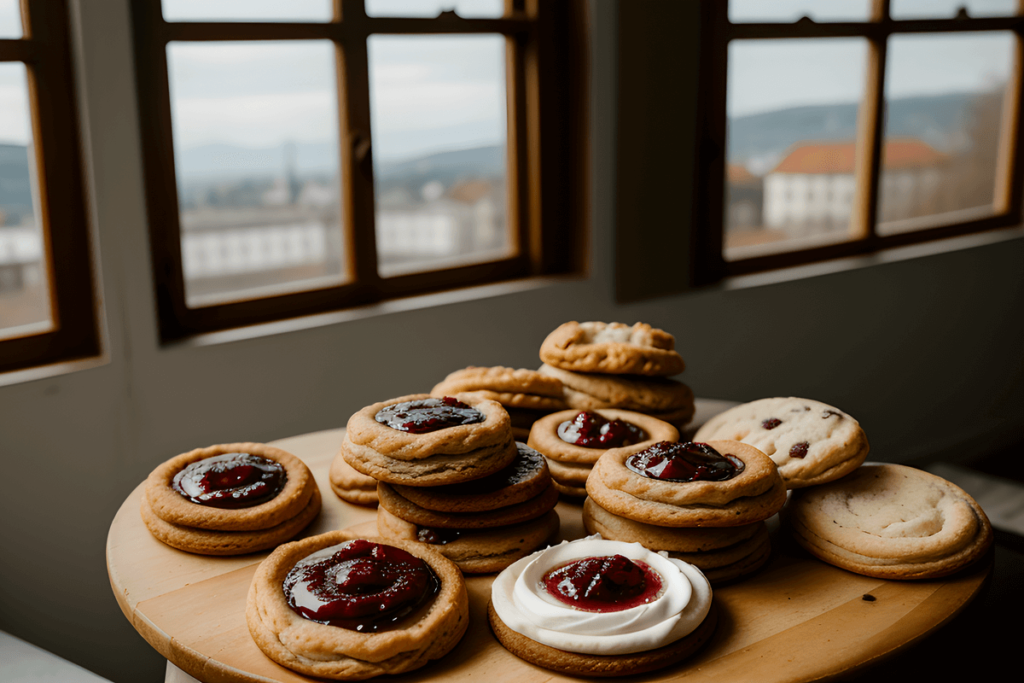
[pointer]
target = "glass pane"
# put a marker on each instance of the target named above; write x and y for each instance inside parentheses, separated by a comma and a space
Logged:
(248, 10)
(788, 11)
(24, 282)
(792, 126)
(10, 19)
(468, 9)
(256, 156)
(945, 9)
(944, 94)
(439, 149)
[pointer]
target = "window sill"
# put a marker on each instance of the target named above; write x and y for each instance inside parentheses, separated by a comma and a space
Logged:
(867, 260)
(53, 370)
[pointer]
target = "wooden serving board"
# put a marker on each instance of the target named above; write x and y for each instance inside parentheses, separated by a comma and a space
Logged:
(798, 619)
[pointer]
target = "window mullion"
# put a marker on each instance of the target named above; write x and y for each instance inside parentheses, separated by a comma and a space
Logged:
(1008, 182)
(871, 131)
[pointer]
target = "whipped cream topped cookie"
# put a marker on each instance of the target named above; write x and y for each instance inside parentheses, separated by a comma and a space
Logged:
(597, 607)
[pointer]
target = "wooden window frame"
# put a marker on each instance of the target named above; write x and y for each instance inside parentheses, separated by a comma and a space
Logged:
(709, 264)
(45, 49)
(546, 145)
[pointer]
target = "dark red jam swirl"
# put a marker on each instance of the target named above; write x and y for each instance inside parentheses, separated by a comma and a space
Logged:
(363, 587)
(684, 462)
(610, 583)
(428, 415)
(590, 430)
(231, 481)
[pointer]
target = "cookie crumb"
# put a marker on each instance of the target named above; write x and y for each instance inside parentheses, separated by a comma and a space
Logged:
(868, 597)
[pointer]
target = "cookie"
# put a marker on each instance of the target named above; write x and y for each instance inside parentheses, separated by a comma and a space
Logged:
(476, 551)
(403, 508)
(524, 479)
(351, 485)
(569, 490)
(499, 380)
(736, 563)
(437, 619)
(752, 492)
(544, 436)
(890, 522)
(437, 470)
(612, 348)
(643, 394)
(811, 442)
(213, 542)
(560, 624)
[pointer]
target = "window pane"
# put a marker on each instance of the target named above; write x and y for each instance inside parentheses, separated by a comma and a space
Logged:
(24, 282)
(944, 94)
(256, 156)
(788, 11)
(475, 9)
(792, 125)
(248, 10)
(10, 19)
(945, 9)
(440, 144)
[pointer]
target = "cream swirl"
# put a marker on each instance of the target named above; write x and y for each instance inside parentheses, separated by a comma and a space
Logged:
(524, 605)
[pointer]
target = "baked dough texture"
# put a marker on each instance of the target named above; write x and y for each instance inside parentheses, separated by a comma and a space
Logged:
(753, 495)
(890, 522)
(812, 443)
(643, 394)
(351, 485)
(499, 380)
(403, 508)
(612, 348)
(316, 649)
(544, 435)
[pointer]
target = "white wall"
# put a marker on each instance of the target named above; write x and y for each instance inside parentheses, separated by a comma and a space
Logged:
(926, 352)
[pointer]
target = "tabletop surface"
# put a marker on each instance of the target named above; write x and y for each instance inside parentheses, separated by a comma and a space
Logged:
(798, 619)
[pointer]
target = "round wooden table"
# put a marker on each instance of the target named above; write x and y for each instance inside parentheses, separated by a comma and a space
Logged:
(797, 619)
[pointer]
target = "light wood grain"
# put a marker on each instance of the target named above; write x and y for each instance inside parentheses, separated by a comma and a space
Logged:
(797, 619)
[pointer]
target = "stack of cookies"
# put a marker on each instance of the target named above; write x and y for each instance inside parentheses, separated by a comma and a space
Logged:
(527, 395)
(230, 499)
(612, 365)
(449, 474)
(573, 440)
(703, 503)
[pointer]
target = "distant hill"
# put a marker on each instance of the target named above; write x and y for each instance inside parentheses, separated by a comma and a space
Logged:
(444, 167)
(759, 140)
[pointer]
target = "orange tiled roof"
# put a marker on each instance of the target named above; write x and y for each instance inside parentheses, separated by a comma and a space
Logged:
(738, 174)
(838, 157)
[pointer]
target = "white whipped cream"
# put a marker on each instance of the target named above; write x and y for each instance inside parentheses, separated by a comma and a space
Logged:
(522, 602)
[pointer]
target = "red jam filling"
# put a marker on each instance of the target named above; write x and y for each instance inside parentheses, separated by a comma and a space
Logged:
(590, 430)
(603, 584)
(771, 423)
(231, 481)
(428, 415)
(437, 536)
(684, 462)
(362, 587)
(799, 450)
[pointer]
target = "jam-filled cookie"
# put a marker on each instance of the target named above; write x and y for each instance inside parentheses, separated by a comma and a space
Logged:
(420, 440)
(573, 440)
(811, 442)
(229, 499)
(342, 607)
(890, 522)
(612, 348)
(527, 395)
(351, 485)
(713, 484)
(601, 608)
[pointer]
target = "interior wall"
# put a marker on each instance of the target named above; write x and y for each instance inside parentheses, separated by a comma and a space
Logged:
(925, 352)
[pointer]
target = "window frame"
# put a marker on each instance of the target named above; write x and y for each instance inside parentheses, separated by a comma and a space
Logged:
(546, 143)
(709, 264)
(45, 49)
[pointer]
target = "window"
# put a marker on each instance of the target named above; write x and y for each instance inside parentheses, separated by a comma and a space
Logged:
(303, 157)
(913, 107)
(47, 308)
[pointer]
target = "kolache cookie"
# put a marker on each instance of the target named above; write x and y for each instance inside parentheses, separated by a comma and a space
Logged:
(595, 607)
(343, 607)
(527, 395)
(419, 440)
(811, 442)
(890, 522)
(350, 484)
(612, 348)
(573, 440)
(229, 499)
(482, 525)
(651, 395)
